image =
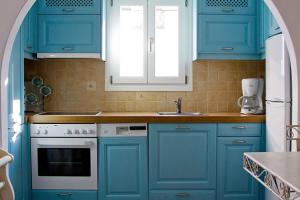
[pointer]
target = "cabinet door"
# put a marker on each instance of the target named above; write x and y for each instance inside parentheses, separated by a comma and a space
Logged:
(63, 195)
(227, 7)
(69, 34)
(123, 168)
(69, 7)
(227, 34)
(182, 156)
(234, 183)
(30, 30)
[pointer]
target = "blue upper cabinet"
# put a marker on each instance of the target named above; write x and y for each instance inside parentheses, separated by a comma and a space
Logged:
(234, 183)
(30, 30)
(263, 26)
(182, 156)
(123, 168)
(69, 34)
(242, 7)
(69, 7)
(226, 34)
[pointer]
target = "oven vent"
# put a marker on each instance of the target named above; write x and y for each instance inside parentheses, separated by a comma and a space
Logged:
(69, 3)
(228, 3)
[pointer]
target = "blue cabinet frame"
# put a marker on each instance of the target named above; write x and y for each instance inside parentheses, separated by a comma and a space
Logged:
(123, 165)
(29, 28)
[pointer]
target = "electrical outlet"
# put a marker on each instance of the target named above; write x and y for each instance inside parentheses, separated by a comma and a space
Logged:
(91, 86)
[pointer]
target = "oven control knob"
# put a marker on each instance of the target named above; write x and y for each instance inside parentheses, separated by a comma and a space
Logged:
(84, 132)
(76, 131)
(45, 132)
(38, 132)
(90, 132)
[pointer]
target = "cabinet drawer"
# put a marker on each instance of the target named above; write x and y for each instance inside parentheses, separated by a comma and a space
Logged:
(69, 34)
(63, 195)
(181, 195)
(227, 34)
(69, 7)
(239, 129)
(227, 7)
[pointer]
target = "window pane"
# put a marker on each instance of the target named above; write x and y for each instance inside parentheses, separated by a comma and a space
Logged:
(166, 41)
(131, 41)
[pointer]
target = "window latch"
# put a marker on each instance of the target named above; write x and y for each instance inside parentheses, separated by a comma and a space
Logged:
(111, 80)
(186, 3)
(111, 3)
(186, 79)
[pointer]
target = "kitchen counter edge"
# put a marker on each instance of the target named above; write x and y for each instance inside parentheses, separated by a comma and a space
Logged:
(144, 117)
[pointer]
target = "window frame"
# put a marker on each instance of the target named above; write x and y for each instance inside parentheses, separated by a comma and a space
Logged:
(149, 82)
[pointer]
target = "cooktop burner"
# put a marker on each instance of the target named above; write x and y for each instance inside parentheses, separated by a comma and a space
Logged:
(71, 113)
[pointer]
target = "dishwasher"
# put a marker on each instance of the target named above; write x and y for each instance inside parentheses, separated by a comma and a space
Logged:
(123, 161)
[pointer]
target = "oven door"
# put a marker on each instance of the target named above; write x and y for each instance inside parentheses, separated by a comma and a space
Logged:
(64, 163)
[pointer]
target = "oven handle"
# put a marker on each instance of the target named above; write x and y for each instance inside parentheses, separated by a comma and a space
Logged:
(87, 143)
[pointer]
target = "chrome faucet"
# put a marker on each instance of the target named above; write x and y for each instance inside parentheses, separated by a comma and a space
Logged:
(178, 104)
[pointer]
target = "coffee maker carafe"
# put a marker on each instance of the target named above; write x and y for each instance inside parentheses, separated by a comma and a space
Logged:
(251, 101)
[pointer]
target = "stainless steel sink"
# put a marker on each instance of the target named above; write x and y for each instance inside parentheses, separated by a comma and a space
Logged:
(180, 114)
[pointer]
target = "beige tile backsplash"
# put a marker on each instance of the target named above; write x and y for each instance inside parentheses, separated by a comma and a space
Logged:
(216, 87)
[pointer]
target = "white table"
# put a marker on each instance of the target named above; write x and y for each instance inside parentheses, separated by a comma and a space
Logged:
(279, 172)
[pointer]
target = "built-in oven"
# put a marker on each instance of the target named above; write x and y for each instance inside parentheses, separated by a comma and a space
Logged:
(64, 156)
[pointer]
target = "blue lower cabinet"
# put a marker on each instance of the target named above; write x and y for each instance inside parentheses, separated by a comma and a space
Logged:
(234, 183)
(123, 165)
(63, 195)
(69, 34)
(182, 195)
(182, 156)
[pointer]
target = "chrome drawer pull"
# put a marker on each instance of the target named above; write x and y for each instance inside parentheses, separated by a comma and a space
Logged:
(228, 48)
(183, 128)
(64, 194)
(239, 142)
(277, 28)
(228, 10)
(29, 47)
(239, 127)
(68, 10)
(182, 194)
(67, 48)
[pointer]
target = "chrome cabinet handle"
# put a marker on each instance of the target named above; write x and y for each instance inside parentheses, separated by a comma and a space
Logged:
(64, 194)
(239, 127)
(29, 46)
(183, 128)
(228, 10)
(182, 194)
(228, 48)
(68, 10)
(67, 48)
(239, 142)
(277, 28)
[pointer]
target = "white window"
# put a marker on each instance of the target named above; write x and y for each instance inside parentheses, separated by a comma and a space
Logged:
(149, 45)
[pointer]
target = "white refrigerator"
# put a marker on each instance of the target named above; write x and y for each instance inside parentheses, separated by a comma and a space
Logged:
(278, 96)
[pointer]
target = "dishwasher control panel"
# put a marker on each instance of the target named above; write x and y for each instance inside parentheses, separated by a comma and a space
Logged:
(125, 130)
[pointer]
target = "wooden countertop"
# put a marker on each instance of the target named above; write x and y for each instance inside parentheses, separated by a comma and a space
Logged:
(146, 117)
